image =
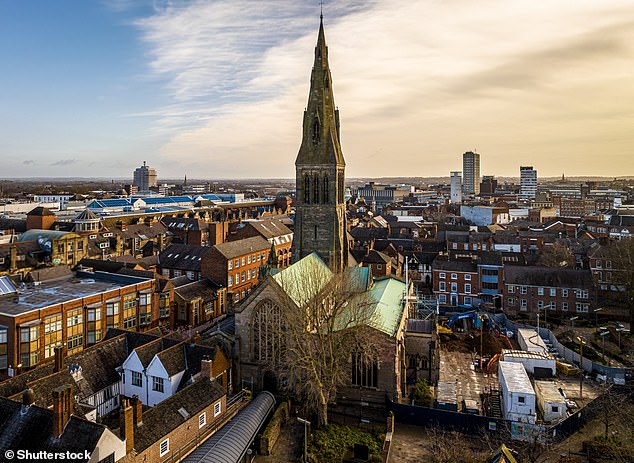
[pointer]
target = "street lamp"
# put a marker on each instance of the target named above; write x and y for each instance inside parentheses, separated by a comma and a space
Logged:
(572, 322)
(582, 342)
(596, 318)
(603, 334)
(306, 423)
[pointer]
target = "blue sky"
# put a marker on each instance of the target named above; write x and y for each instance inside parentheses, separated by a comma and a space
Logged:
(216, 88)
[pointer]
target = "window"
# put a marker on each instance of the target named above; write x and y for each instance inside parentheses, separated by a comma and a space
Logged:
(582, 294)
(442, 298)
(249, 259)
(244, 276)
(202, 420)
(511, 301)
(522, 304)
(467, 300)
(467, 277)
(191, 276)
(157, 384)
(364, 371)
(580, 307)
(217, 409)
(454, 276)
(165, 446)
(540, 291)
(230, 265)
(454, 287)
(237, 263)
(553, 292)
(75, 341)
(137, 379)
(230, 281)
(379, 267)
(564, 307)
(554, 409)
(467, 288)
(523, 290)
(521, 399)
(244, 261)
(442, 286)
(553, 306)
(564, 293)
(511, 289)
(442, 275)
(540, 304)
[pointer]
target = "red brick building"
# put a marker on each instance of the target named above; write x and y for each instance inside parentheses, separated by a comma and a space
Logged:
(235, 265)
(456, 281)
(274, 231)
(548, 290)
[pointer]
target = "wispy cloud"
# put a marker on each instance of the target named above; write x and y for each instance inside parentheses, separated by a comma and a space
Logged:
(418, 82)
(28, 162)
(63, 162)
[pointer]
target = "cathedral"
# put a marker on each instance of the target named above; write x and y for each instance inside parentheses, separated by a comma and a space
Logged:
(320, 243)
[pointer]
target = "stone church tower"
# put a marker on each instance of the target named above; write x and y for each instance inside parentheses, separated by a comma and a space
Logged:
(320, 217)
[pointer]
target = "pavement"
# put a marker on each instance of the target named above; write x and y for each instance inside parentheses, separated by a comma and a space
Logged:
(288, 448)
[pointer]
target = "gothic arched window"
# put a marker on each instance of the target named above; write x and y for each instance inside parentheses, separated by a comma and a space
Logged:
(316, 189)
(306, 189)
(325, 190)
(266, 332)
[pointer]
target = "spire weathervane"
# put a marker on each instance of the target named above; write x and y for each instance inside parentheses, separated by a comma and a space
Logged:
(321, 9)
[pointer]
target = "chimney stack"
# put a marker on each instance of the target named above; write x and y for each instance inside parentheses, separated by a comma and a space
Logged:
(126, 425)
(206, 368)
(59, 358)
(62, 408)
(28, 397)
(137, 410)
(13, 258)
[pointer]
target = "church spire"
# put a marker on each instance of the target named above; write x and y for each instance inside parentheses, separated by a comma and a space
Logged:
(319, 166)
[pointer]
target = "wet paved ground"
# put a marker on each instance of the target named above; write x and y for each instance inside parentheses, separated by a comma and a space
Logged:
(408, 444)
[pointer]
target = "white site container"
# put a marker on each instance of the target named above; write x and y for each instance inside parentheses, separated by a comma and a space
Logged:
(518, 395)
(531, 360)
(551, 403)
(530, 341)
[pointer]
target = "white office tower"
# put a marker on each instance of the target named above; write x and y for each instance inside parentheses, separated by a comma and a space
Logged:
(471, 173)
(528, 182)
(456, 187)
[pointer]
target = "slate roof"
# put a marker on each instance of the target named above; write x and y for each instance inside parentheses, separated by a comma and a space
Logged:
(234, 249)
(270, 229)
(98, 362)
(545, 276)
(18, 225)
(31, 429)
(622, 221)
(147, 351)
(87, 214)
(185, 257)
(163, 418)
(205, 289)
(184, 223)
(40, 212)
(50, 273)
(441, 263)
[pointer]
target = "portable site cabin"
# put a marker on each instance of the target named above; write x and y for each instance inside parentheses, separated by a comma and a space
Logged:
(540, 364)
(530, 341)
(550, 402)
(518, 395)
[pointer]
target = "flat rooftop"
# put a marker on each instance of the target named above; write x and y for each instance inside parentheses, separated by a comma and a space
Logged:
(76, 286)
(515, 377)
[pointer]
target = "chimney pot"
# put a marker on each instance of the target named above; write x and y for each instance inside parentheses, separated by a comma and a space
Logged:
(126, 425)
(206, 368)
(59, 358)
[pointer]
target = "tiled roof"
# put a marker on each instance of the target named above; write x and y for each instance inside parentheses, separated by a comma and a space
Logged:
(546, 276)
(238, 248)
(205, 289)
(40, 212)
(163, 418)
(182, 257)
(32, 429)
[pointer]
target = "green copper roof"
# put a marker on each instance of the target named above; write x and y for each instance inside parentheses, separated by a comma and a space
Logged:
(304, 279)
(388, 308)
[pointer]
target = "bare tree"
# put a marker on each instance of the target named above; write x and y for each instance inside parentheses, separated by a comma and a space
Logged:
(325, 318)
(557, 255)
